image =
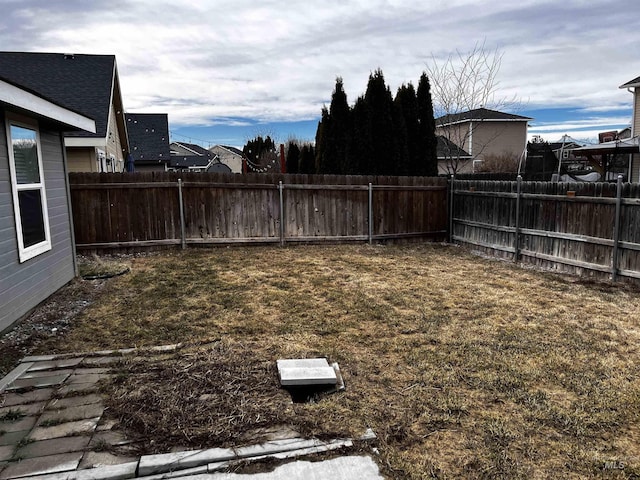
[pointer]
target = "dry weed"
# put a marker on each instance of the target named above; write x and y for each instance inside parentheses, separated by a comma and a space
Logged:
(464, 367)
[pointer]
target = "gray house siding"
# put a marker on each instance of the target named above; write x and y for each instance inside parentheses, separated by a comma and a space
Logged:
(24, 285)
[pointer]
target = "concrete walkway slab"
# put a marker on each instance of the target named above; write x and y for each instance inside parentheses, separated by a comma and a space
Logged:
(12, 438)
(77, 389)
(54, 446)
(341, 468)
(45, 373)
(103, 459)
(69, 402)
(64, 429)
(42, 465)
(39, 382)
(24, 423)
(55, 364)
(12, 399)
(79, 412)
(6, 452)
(13, 375)
(62, 435)
(27, 409)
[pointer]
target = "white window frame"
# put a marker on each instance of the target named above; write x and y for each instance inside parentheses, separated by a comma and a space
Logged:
(27, 253)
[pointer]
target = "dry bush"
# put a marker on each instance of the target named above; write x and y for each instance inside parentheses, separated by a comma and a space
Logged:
(499, 163)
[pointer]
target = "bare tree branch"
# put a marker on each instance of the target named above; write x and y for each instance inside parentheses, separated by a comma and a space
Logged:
(462, 82)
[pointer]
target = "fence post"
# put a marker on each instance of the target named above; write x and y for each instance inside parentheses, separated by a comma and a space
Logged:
(281, 191)
(451, 187)
(517, 239)
(370, 213)
(616, 231)
(183, 239)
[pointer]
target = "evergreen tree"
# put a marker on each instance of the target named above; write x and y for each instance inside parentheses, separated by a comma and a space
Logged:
(428, 163)
(257, 147)
(380, 104)
(293, 158)
(321, 141)
(339, 131)
(407, 104)
(307, 160)
(359, 151)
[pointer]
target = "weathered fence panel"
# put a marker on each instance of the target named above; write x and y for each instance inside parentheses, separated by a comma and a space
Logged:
(156, 209)
(569, 227)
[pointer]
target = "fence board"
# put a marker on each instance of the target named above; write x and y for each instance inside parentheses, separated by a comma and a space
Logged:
(143, 209)
(563, 226)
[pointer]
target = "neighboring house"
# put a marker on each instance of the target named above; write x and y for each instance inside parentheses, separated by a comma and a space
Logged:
(36, 232)
(481, 132)
(619, 154)
(230, 156)
(188, 157)
(189, 163)
(541, 162)
(87, 84)
(446, 150)
(149, 141)
(633, 86)
(182, 149)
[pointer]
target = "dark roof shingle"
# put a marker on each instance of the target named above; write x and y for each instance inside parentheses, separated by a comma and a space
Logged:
(197, 149)
(632, 83)
(447, 149)
(185, 161)
(148, 137)
(479, 114)
(81, 83)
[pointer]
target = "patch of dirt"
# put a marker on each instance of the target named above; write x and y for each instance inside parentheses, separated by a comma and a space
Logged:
(46, 324)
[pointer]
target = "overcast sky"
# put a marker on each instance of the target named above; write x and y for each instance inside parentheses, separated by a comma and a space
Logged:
(227, 69)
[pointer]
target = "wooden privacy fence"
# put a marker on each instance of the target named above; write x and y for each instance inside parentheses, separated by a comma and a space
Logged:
(575, 227)
(156, 209)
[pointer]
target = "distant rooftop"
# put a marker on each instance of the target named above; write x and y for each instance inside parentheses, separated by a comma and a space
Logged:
(483, 114)
(148, 137)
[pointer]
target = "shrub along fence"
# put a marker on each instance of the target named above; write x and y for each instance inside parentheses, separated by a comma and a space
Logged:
(583, 228)
(134, 210)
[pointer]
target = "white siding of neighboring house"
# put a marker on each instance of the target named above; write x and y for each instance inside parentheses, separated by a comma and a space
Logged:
(634, 174)
(24, 285)
(113, 144)
(498, 138)
(82, 159)
(636, 112)
(229, 158)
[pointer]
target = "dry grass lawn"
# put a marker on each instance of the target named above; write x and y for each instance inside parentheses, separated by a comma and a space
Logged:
(463, 366)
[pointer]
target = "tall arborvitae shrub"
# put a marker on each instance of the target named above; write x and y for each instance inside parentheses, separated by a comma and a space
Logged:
(379, 135)
(428, 163)
(293, 158)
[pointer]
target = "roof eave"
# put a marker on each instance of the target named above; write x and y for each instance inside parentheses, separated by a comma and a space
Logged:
(483, 120)
(15, 96)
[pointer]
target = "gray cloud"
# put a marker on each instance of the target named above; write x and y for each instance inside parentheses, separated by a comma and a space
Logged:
(277, 60)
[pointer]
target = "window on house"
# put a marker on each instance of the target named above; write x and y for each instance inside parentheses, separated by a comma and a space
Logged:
(28, 190)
